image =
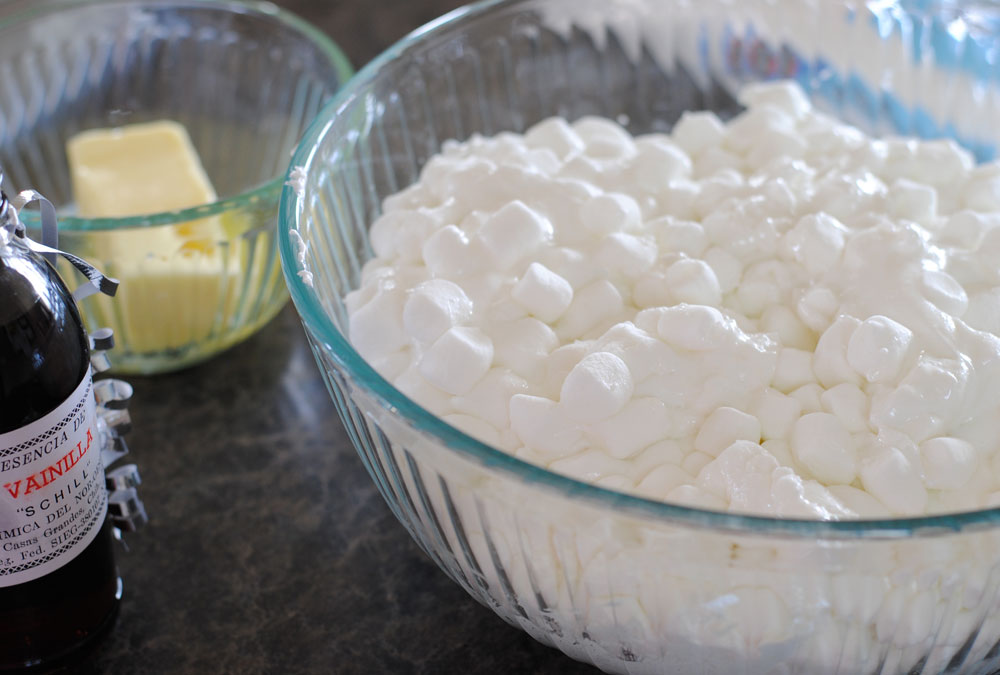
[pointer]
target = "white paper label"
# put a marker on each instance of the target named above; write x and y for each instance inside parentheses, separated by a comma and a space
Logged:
(53, 500)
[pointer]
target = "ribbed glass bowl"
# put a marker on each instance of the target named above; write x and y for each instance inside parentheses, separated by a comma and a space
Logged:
(244, 78)
(627, 584)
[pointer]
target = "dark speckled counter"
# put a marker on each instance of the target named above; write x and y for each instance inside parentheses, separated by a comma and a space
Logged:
(269, 549)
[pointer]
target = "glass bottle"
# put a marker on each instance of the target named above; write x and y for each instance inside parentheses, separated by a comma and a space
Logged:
(59, 586)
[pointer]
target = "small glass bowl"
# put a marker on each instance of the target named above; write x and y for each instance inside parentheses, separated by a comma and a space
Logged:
(629, 584)
(244, 78)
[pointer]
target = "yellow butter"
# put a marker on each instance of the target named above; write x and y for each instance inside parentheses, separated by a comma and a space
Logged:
(180, 282)
(136, 170)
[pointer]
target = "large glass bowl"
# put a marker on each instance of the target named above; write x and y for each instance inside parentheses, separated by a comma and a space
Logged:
(244, 78)
(627, 584)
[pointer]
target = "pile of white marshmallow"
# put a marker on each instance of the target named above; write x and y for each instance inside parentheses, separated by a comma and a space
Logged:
(778, 315)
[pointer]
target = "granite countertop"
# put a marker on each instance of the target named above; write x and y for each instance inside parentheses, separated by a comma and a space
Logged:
(269, 549)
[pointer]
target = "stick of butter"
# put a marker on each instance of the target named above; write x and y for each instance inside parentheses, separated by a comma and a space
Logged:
(136, 170)
(180, 282)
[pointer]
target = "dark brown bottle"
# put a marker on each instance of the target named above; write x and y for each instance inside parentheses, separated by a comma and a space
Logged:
(44, 361)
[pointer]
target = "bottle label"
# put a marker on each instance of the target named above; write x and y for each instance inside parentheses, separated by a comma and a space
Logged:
(53, 500)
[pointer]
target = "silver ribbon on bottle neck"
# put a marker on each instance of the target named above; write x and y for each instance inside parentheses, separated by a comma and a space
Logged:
(13, 230)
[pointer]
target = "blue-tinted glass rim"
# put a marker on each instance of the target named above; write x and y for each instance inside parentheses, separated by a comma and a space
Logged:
(328, 338)
(267, 190)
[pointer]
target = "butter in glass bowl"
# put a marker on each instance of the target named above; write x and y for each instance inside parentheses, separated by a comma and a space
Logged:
(108, 86)
(177, 280)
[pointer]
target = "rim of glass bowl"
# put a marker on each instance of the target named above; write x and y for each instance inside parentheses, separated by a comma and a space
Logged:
(341, 66)
(340, 349)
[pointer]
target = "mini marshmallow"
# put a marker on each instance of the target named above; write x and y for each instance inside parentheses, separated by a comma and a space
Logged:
(816, 242)
(658, 163)
(678, 199)
(776, 413)
(849, 404)
(944, 291)
(598, 387)
(893, 480)
(860, 502)
(416, 387)
(741, 476)
(658, 483)
(693, 281)
(982, 194)
(652, 291)
(936, 162)
(443, 174)
(783, 322)
(761, 123)
(808, 396)
(727, 267)
(695, 327)
(542, 292)
(793, 497)
(489, 398)
(724, 427)
(560, 202)
(603, 138)
(555, 134)
(984, 311)
(581, 168)
(713, 160)
(447, 252)
(610, 212)
(830, 358)
(912, 201)
(512, 233)
(696, 131)
(744, 229)
(695, 462)
(777, 143)
(542, 425)
(949, 463)
(793, 369)
(641, 352)
(648, 319)
(626, 254)
(666, 451)
(433, 307)
(780, 450)
(642, 422)
(561, 361)
(376, 329)
(522, 345)
(878, 347)
(721, 186)
(401, 233)
(591, 306)
(783, 95)
(821, 443)
(545, 161)
(457, 359)
(754, 296)
(571, 264)
(816, 308)
(679, 236)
